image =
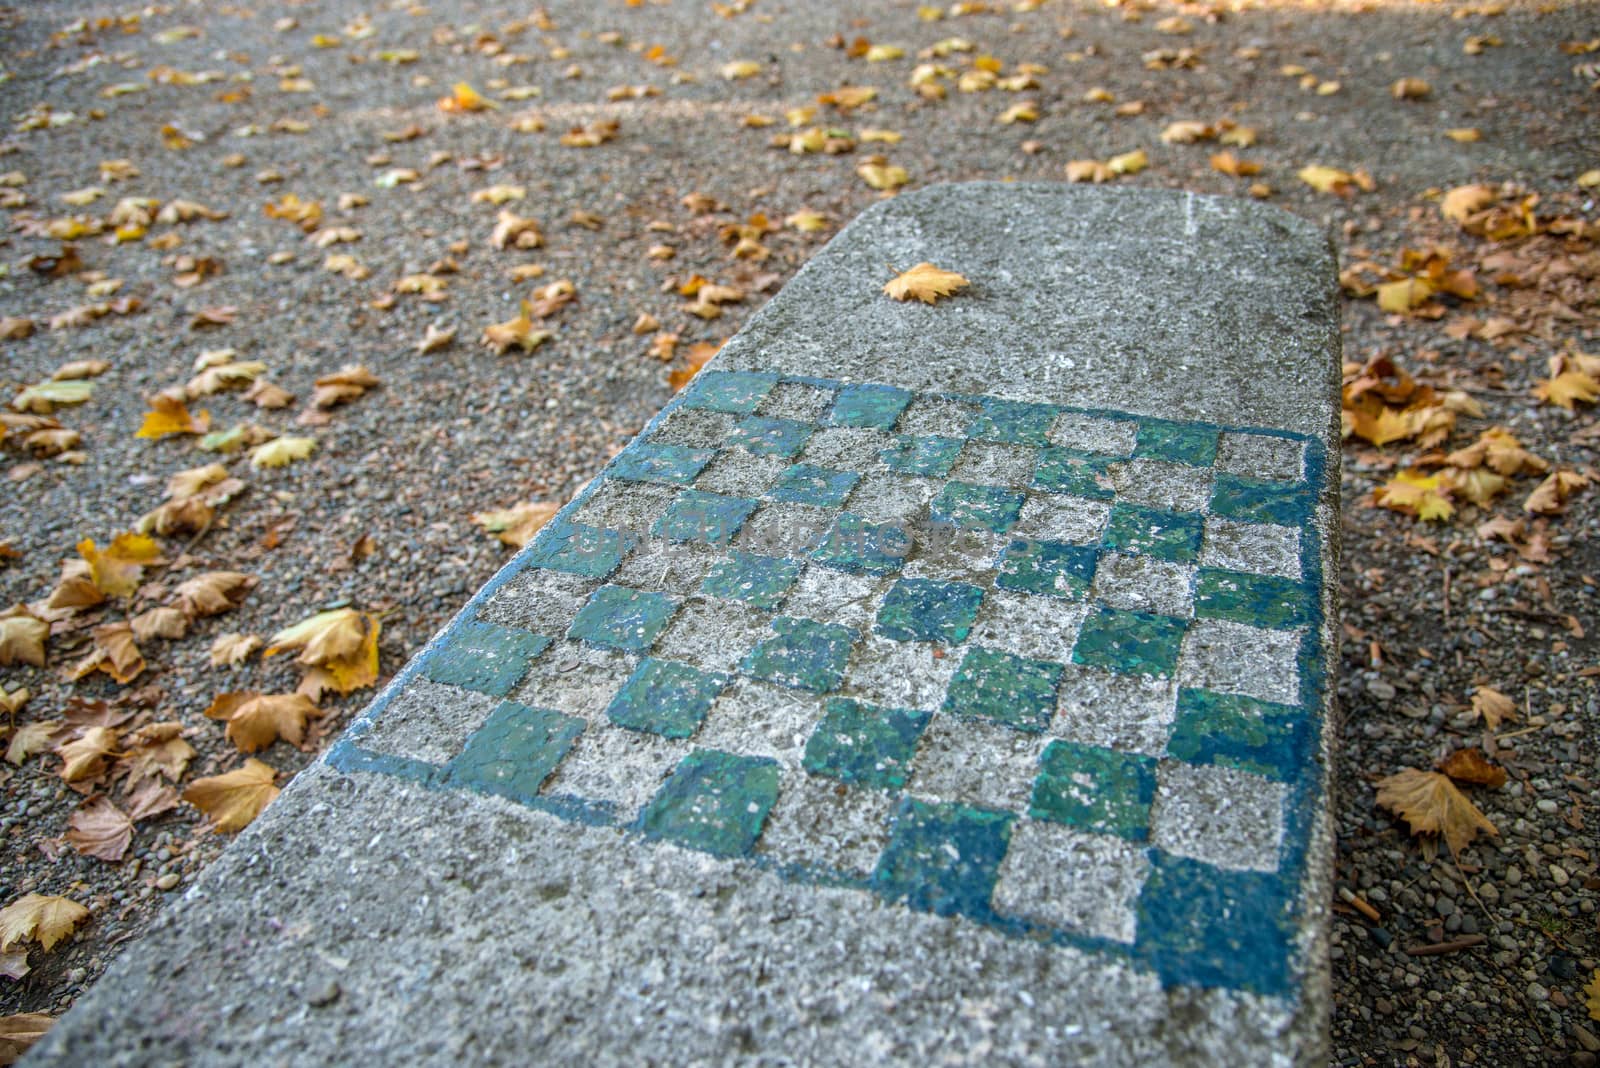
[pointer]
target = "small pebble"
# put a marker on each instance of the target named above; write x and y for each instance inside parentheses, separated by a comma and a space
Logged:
(325, 994)
(167, 881)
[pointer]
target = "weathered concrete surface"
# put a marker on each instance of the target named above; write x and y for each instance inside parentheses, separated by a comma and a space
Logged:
(850, 725)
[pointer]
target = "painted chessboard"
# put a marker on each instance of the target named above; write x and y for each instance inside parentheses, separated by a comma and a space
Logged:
(1056, 671)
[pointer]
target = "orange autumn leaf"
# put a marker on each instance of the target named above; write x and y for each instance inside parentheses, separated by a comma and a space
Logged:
(233, 800)
(168, 415)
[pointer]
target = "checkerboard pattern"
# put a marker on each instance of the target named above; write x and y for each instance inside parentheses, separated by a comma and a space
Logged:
(1056, 671)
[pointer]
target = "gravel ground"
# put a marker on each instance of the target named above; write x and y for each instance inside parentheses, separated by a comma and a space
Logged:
(379, 517)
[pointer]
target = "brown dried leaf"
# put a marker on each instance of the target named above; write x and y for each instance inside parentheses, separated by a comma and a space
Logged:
(1432, 804)
(100, 829)
(85, 756)
(22, 637)
(162, 622)
(924, 282)
(40, 918)
(213, 592)
(232, 800)
(19, 1032)
(516, 526)
(230, 649)
(1471, 766)
(153, 750)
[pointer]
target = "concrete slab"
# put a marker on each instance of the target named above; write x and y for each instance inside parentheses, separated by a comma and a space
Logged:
(924, 683)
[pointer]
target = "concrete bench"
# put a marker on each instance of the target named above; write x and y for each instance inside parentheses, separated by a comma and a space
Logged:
(924, 683)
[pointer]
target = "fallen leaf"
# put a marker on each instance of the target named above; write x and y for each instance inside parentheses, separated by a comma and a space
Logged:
(1550, 498)
(114, 653)
(45, 397)
(39, 918)
(31, 739)
(1410, 89)
(115, 570)
(1568, 389)
(233, 800)
(161, 622)
(435, 338)
(1128, 162)
(153, 750)
(169, 415)
(1411, 492)
(516, 526)
(100, 829)
(340, 647)
(151, 799)
(22, 637)
(1464, 201)
(880, 174)
(19, 1032)
(1471, 766)
(230, 649)
(213, 593)
(464, 98)
(924, 282)
(1328, 179)
(1431, 804)
(515, 333)
(257, 720)
(280, 452)
(346, 384)
(1592, 995)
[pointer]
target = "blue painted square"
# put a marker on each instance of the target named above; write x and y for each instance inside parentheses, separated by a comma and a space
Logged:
(1073, 471)
(484, 657)
(806, 484)
(870, 407)
(645, 461)
(665, 697)
(1183, 443)
(578, 549)
(1203, 926)
(864, 745)
(621, 618)
(1165, 535)
(802, 654)
(514, 751)
(1052, 568)
(977, 507)
(1014, 422)
(1254, 500)
(715, 802)
(1130, 643)
(943, 858)
(758, 580)
(1246, 597)
(933, 457)
(770, 437)
(696, 515)
(738, 392)
(1003, 688)
(1267, 739)
(926, 610)
(858, 545)
(1098, 790)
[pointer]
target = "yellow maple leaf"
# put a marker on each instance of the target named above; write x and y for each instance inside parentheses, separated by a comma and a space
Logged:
(1478, 485)
(1403, 296)
(339, 647)
(169, 415)
(40, 918)
(924, 282)
(1327, 179)
(1128, 162)
(515, 333)
(280, 452)
(1431, 804)
(232, 800)
(879, 173)
(1568, 388)
(115, 569)
(1411, 492)
(516, 526)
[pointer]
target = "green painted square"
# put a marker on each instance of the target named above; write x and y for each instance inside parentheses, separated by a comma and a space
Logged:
(738, 392)
(806, 484)
(578, 549)
(715, 802)
(1173, 536)
(514, 751)
(1003, 688)
(1245, 597)
(925, 610)
(864, 745)
(696, 515)
(1130, 643)
(802, 654)
(943, 858)
(977, 507)
(933, 457)
(621, 618)
(758, 580)
(1073, 471)
(1047, 567)
(1014, 422)
(1254, 500)
(859, 546)
(1182, 443)
(484, 657)
(1093, 789)
(870, 407)
(770, 437)
(1242, 732)
(646, 461)
(665, 697)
